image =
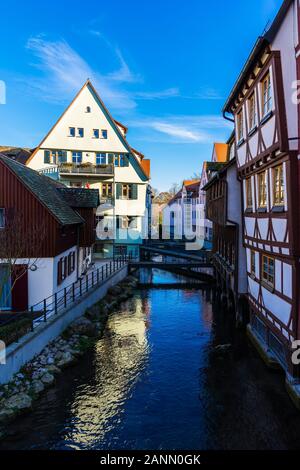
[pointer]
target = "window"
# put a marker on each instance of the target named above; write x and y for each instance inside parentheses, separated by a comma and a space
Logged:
(106, 190)
(77, 157)
(72, 131)
(252, 112)
(240, 126)
(268, 270)
(71, 262)
(101, 159)
(262, 190)
(252, 262)
(249, 201)
(55, 156)
(2, 218)
(121, 160)
(88, 109)
(80, 132)
(127, 191)
(96, 133)
(103, 134)
(278, 186)
(266, 95)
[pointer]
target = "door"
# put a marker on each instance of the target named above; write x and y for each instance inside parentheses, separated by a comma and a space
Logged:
(20, 290)
(5, 288)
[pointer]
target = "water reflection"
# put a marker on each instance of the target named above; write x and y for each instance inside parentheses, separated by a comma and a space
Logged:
(120, 357)
(155, 382)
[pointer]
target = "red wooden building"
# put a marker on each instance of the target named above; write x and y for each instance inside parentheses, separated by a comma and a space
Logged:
(47, 232)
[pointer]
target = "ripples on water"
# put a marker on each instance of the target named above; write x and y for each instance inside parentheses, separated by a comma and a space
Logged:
(152, 382)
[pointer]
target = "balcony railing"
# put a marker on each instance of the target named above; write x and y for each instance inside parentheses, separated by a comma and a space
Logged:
(85, 169)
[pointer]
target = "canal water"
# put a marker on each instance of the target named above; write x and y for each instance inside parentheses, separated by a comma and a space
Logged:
(154, 381)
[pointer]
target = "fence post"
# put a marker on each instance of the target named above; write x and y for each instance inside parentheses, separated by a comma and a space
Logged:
(92, 278)
(65, 297)
(73, 291)
(80, 287)
(110, 268)
(31, 309)
(55, 303)
(45, 310)
(106, 270)
(87, 283)
(97, 275)
(102, 272)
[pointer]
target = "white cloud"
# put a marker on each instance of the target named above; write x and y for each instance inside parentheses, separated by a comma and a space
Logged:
(155, 95)
(183, 129)
(65, 71)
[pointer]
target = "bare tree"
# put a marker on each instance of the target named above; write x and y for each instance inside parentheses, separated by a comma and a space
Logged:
(174, 189)
(20, 246)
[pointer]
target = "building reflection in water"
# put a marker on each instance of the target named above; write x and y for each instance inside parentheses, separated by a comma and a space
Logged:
(121, 355)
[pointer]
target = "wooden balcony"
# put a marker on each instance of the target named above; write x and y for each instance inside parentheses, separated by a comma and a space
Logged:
(86, 169)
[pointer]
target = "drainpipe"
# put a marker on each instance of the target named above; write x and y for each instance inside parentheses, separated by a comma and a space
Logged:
(227, 117)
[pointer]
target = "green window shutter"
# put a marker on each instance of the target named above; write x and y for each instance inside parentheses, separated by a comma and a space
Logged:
(118, 190)
(110, 158)
(126, 160)
(134, 191)
(46, 156)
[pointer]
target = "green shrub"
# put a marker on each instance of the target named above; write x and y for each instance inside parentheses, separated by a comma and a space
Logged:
(14, 330)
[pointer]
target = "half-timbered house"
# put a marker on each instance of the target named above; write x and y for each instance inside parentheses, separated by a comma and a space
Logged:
(267, 148)
(223, 209)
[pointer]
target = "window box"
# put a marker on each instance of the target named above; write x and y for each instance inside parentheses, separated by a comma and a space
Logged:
(253, 130)
(278, 209)
(266, 117)
(262, 210)
(241, 142)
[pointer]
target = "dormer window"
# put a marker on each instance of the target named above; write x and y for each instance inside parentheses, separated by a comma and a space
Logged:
(240, 126)
(266, 94)
(252, 112)
(96, 133)
(2, 218)
(88, 109)
(72, 131)
(103, 134)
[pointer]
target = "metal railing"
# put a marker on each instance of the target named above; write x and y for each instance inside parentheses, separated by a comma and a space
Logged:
(68, 296)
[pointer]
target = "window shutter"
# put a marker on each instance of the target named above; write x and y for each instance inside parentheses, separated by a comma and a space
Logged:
(110, 158)
(126, 160)
(134, 191)
(46, 156)
(118, 190)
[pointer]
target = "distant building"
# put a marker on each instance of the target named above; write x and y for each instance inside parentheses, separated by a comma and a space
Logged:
(51, 233)
(224, 210)
(87, 148)
(19, 154)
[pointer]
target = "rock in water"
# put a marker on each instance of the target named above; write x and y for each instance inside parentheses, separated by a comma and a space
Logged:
(223, 349)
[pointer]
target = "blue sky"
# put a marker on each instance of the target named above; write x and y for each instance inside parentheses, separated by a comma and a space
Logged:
(164, 68)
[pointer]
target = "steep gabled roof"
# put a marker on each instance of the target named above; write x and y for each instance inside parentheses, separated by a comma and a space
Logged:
(45, 190)
(259, 46)
(113, 123)
(80, 197)
(220, 150)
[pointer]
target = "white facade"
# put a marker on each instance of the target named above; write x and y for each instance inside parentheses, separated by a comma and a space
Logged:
(88, 148)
